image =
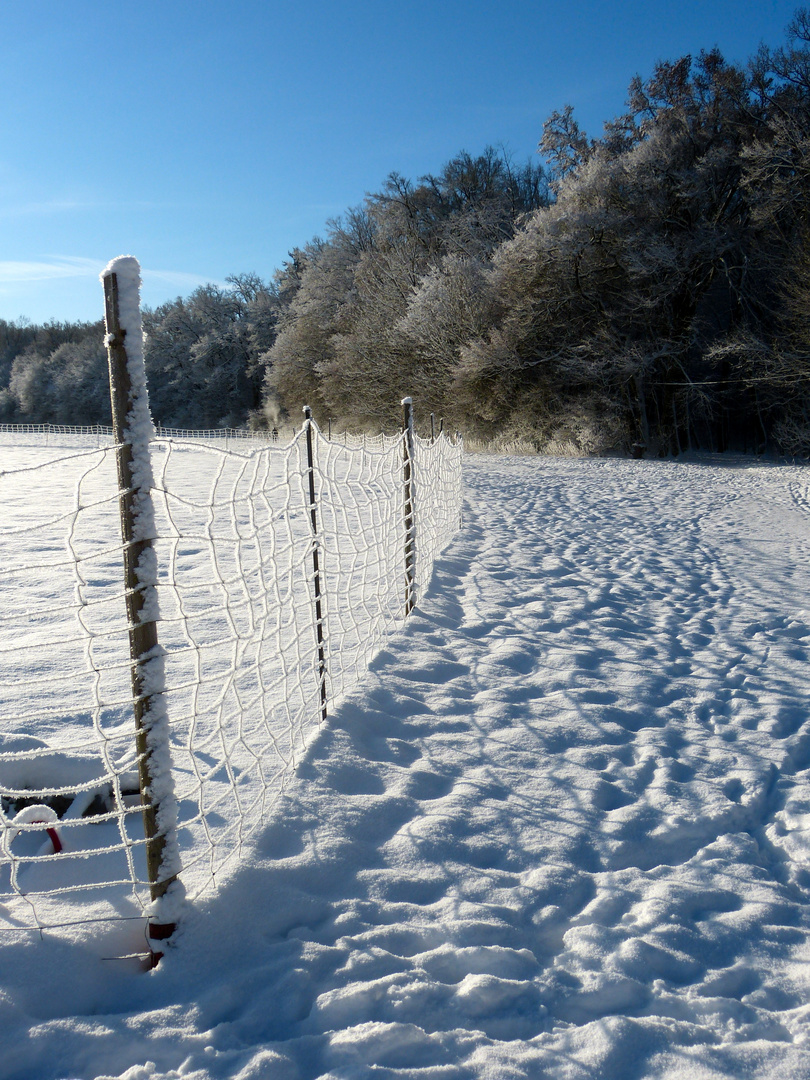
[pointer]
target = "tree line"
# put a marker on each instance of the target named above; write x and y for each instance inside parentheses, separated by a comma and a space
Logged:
(648, 288)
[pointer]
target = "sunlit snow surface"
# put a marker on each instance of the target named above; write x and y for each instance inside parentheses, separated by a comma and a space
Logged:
(561, 830)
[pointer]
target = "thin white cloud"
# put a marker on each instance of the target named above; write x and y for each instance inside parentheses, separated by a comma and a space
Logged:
(53, 267)
(69, 206)
(12, 272)
(54, 206)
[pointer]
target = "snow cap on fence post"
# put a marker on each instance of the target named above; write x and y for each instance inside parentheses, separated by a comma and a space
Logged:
(138, 429)
(133, 430)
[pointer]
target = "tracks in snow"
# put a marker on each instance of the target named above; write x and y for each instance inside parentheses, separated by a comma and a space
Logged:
(563, 827)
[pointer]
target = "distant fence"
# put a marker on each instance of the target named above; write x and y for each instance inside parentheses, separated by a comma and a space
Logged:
(273, 574)
(61, 434)
(104, 436)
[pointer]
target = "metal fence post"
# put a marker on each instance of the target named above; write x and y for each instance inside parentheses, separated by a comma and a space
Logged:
(313, 519)
(410, 522)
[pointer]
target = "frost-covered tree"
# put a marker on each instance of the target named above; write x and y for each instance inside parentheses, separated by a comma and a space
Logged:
(204, 355)
(68, 385)
(347, 342)
(611, 297)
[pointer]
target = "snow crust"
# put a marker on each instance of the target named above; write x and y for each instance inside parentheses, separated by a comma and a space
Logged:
(561, 830)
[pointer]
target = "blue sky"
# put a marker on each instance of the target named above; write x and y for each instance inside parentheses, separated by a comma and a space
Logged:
(208, 138)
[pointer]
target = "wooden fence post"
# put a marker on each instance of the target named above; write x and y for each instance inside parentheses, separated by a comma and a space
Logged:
(410, 521)
(313, 519)
(129, 410)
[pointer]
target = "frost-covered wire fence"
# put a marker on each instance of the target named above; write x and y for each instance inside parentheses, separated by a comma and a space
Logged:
(67, 434)
(19, 431)
(243, 685)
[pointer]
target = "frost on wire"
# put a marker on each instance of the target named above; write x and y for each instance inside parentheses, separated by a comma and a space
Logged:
(238, 672)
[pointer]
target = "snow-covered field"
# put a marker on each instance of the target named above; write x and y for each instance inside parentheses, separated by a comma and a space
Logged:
(562, 829)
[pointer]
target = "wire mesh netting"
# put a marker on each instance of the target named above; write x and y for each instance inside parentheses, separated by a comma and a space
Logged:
(237, 622)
